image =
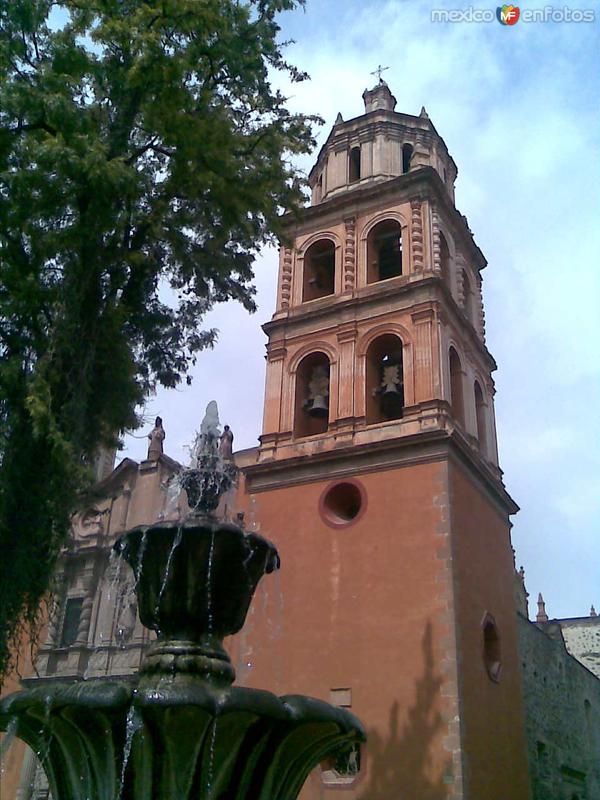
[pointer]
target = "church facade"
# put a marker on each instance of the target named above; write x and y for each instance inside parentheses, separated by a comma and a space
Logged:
(377, 477)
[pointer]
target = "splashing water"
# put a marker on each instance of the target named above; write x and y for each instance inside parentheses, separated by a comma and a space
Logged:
(209, 577)
(132, 724)
(174, 546)
(140, 560)
(211, 761)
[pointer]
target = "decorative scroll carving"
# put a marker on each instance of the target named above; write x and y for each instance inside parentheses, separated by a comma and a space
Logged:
(286, 278)
(416, 235)
(435, 231)
(350, 254)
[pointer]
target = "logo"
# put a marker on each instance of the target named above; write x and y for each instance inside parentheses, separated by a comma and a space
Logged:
(507, 15)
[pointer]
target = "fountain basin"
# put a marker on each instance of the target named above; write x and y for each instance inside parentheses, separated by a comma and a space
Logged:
(195, 580)
(110, 740)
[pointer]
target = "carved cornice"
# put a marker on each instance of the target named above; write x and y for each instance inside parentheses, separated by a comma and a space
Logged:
(424, 447)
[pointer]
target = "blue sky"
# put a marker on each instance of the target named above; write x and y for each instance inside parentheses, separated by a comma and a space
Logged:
(518, 110)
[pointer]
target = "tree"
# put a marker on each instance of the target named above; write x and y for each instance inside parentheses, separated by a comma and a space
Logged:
(144, 159)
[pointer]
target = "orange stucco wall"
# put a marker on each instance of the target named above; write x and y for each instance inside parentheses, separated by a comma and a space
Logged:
(492, 713)
(361, 607)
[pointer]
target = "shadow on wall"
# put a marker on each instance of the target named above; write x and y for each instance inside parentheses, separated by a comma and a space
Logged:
(399, 763)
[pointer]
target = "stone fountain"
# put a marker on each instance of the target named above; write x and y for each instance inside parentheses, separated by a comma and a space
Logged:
(179, 729)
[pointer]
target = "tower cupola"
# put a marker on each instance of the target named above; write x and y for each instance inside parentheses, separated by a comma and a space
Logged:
(379, 97)
(379, 145)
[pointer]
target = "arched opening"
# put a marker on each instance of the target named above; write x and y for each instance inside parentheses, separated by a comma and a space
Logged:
(319, 270)
(311, 408)
(481, 415)
(456, 387)
(384, 379)
(354, 165)
(407, 151)
(491, 648)
(445, 260)
(469, 302)
(384, 251)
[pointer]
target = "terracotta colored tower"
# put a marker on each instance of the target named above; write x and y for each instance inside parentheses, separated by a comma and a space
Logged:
(377, 474)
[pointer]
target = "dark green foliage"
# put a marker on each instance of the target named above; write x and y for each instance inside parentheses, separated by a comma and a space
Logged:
(144, 158)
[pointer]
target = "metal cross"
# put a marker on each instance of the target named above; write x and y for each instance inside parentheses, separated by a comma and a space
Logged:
(378, 72)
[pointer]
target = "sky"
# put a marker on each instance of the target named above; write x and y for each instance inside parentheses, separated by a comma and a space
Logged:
(518, 109)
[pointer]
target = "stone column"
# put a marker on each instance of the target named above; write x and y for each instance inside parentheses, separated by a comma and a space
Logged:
(273, 388)
(349, 277)
(346, 336)
(423, 357)
(86, 611)
(480, 312)
(460, 280)
(416, 236)
(436, 262)
(285, 291)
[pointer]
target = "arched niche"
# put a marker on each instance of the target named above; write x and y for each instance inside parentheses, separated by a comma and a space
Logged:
(456, 387)
(312, 396)
(318, 277)
(469, 303)
(384, 379)
(445, 261)
(481, 417)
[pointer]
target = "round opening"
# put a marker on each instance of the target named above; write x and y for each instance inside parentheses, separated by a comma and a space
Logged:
(342, 503)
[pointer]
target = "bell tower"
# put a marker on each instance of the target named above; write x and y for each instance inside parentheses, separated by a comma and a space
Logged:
(379, 328)
(377, 472)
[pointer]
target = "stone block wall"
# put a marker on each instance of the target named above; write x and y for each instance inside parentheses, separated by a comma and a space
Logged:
(562, 717)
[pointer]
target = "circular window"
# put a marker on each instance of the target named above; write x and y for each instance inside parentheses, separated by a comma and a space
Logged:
(343, 503)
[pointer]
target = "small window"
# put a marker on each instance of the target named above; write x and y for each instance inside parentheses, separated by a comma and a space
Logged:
(70, 626)
(354, 165)
(319, 270)
(407, 151)
(491, 648)
(384, 251)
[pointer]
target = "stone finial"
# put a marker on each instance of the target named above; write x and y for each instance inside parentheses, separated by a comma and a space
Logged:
(379, 98)
(424, 113)
(593, 612)
(339, 119)
(541, 614)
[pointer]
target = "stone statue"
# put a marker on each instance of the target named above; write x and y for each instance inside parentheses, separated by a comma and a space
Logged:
(156, 436)
(226, 444)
